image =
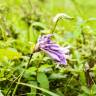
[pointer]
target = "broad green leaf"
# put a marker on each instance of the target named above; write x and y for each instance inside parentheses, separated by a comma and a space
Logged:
(43, 80)
(10, 53)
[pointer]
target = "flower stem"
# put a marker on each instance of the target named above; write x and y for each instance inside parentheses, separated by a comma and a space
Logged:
(54, 27)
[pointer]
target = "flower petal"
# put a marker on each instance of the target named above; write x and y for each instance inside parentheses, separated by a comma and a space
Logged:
(56, 52)
(57, 56)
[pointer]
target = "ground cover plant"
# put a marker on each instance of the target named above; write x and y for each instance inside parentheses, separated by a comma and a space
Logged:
(47, 48)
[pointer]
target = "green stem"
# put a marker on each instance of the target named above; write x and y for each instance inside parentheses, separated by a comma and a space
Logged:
(13, 94)
(54, 27)
(12, 84)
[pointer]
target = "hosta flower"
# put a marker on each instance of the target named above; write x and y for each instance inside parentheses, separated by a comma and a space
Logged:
(57, 53)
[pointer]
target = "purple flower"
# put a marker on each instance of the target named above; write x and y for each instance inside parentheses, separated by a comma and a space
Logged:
(56, 52)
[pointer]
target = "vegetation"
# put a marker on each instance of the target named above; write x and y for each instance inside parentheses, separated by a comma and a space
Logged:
(24, 73)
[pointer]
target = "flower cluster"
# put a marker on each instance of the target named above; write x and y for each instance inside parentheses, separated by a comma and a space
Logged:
(57, 53)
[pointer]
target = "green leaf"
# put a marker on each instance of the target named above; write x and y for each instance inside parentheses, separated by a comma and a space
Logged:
(43, 80)
(85, 89)
(32, 34)
(82, 78)
(1, 93)
(93, 89)
(10, 53)
(38, 25)
(57, 76)
(45, 68)
(29, 72)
